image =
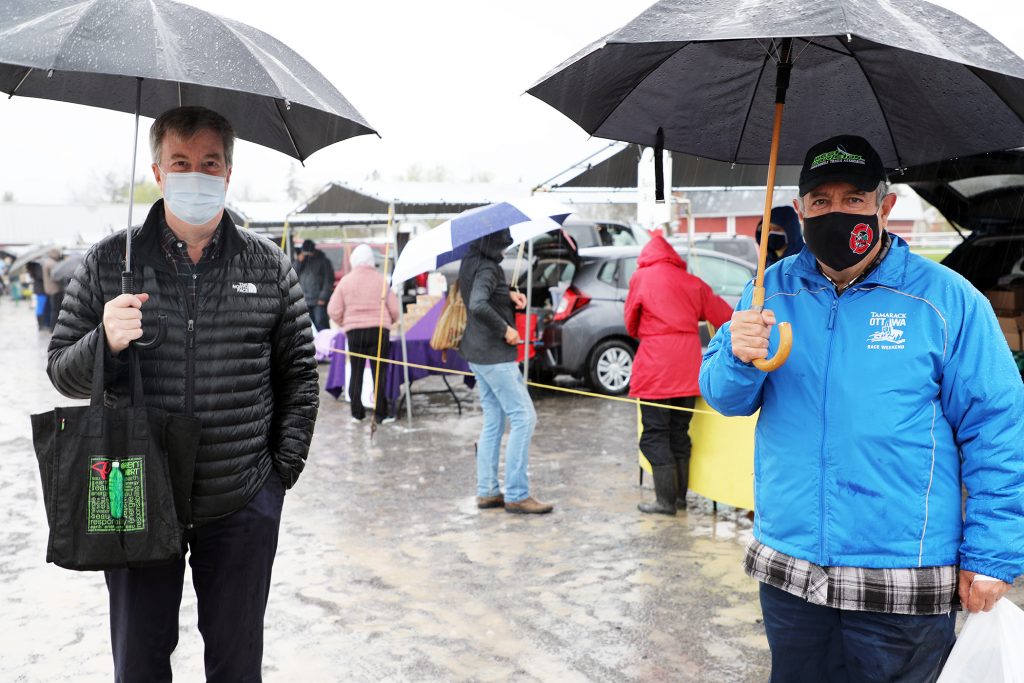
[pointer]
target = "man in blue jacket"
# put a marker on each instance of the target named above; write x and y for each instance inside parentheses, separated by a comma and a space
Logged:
(899, 389)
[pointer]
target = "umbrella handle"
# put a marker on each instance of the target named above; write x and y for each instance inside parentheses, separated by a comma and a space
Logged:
(781, 354)
(128, 287)
(785, 331)
(158, 337)
(785, 334)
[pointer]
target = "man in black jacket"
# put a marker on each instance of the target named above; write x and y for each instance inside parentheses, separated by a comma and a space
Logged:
(316, 275)
(239, 356)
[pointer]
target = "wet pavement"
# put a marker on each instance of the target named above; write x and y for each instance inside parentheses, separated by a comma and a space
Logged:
(386, 571)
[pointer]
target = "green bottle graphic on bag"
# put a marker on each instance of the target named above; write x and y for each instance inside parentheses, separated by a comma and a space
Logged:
(115, 489)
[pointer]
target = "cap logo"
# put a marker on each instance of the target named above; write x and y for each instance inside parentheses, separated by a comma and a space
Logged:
(836, 156)
(861, 238)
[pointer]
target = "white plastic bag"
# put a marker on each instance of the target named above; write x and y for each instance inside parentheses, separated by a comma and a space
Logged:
(990, 647)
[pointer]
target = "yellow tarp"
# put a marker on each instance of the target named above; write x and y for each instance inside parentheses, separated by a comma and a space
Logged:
(722, 458)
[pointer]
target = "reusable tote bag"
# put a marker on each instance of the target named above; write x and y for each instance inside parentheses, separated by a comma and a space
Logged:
(107, 478)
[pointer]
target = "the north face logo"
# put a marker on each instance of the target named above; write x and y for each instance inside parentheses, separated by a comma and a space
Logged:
(244, 287)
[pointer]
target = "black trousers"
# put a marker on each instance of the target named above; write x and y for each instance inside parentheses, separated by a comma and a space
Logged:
(231, 562)
(364, 341)
(666, 437)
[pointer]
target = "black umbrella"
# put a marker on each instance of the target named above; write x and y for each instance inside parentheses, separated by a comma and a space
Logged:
(65, 268)
(920, 82)
(148, 56)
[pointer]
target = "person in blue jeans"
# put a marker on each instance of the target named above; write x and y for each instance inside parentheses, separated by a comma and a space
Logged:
(490, 343)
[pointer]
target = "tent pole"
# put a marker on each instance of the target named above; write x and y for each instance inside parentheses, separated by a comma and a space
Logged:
(529, 298)
(401, 332)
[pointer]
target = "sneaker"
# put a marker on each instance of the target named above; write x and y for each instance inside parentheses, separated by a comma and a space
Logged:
(485, 502)
(388, 420)
(529, 506)
(358, 420)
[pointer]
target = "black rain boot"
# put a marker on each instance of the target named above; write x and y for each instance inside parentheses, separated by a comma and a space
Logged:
(683, 482)
(665, 491)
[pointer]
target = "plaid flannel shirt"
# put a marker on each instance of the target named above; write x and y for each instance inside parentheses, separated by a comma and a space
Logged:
(177, 255)
(911, 590)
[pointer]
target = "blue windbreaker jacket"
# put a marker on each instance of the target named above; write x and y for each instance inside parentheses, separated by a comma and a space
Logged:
(895, 392)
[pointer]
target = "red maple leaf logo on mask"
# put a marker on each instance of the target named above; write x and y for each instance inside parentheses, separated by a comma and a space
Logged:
(861, 238)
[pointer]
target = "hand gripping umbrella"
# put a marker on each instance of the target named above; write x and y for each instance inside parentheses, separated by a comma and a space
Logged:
(148, 56)
(921, 83)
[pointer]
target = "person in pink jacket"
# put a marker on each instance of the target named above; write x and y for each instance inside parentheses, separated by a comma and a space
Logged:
(358, 305)
(663, 310)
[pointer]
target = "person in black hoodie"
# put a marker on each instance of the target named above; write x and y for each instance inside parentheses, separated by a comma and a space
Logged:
(490, 343)
(316, 275)
(238, 355)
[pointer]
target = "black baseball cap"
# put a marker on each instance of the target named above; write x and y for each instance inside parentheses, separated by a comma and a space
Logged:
(844, 158)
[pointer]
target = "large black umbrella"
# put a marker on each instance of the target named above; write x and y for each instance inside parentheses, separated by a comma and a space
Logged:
(148, 56)
(94, 51)
(920, 82)
(66, 267)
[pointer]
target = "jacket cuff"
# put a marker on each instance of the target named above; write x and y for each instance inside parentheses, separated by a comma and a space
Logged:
(996, 569)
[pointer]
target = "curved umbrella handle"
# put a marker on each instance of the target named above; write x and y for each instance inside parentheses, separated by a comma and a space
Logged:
(128, 287)
(781, 354)
(785, 333)
(158, 337)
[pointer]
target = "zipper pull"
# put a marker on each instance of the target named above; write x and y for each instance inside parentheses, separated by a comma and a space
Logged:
(832, 314)
(191, 333)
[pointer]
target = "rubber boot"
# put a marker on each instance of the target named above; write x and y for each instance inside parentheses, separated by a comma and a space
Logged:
(683, 481)
(665, 491)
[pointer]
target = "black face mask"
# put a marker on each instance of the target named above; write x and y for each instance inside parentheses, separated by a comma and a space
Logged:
(841, 240)
(776, 242)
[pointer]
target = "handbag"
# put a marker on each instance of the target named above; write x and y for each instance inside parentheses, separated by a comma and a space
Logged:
(116, 481)
(451, 323)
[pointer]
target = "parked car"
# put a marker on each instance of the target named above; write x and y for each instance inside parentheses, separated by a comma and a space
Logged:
(592, 233)
(985, 195)
(576, 234)
(584, 293)
(740, 246)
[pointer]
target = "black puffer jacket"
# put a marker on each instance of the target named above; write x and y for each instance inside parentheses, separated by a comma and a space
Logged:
(243, 365)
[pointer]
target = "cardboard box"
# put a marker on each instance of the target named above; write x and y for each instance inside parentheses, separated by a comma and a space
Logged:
(1013, 328)
(1007, 299)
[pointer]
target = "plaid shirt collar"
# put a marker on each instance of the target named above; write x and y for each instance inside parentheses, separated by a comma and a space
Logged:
(177, 251)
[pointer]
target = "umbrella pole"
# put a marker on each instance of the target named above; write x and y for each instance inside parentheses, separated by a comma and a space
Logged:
(127, 279)
(785, 332)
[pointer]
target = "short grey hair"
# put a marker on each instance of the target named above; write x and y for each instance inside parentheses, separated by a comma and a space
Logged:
(881, 192)
(186, 122)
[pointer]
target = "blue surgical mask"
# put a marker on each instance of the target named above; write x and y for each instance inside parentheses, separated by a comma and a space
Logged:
(195, 198)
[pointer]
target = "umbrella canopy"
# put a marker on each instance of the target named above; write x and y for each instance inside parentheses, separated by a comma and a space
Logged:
(524, 218)
(93, 52)
(65, 268)
(35, 253)
(919, 82)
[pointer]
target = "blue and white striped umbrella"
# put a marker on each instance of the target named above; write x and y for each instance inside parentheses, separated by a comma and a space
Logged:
(524, 218)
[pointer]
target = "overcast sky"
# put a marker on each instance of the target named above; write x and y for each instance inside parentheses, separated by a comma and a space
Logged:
(442, 81)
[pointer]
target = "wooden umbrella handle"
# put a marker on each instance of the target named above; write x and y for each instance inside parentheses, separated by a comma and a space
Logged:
(785, 331)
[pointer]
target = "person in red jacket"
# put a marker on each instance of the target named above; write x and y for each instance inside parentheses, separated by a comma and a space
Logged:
(663, 310)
